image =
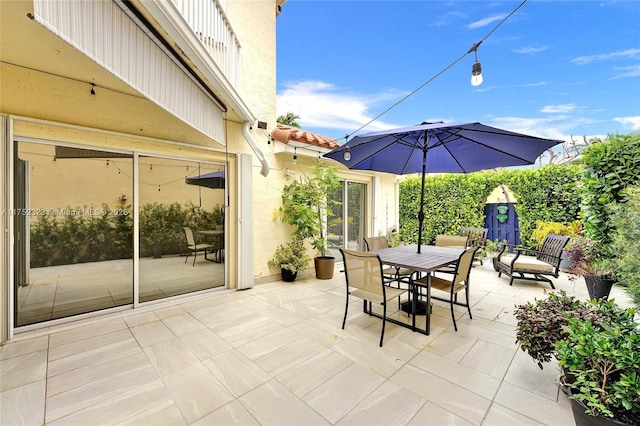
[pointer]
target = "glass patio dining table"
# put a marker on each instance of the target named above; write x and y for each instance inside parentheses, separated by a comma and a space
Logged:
(430, 259)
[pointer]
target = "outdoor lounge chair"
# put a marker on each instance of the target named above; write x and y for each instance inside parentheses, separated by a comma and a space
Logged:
(536, 266)
(193, 247)
(453, 285)
(364, 278)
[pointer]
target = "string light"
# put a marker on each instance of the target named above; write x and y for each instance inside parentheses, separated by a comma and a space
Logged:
(347, 153)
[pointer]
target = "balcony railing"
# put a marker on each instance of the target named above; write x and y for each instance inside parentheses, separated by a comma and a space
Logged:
(210, 24)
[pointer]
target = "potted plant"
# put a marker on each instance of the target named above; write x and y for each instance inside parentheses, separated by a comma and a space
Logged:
(290, 258)
(540, 323)
(585, 262)
(305, 205)
(491, 248)
(604, 363)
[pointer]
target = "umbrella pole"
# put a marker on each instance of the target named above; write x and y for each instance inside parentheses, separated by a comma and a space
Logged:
(421, 212)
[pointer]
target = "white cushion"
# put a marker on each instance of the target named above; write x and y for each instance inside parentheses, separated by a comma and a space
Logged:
(528, 263)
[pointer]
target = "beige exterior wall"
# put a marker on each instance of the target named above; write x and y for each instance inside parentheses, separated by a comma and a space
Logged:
(46, 106)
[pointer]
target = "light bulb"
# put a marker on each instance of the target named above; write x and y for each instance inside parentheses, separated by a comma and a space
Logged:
(347, 154)
(476, 74)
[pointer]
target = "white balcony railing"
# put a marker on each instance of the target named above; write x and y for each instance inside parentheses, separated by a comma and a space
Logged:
(210, 24)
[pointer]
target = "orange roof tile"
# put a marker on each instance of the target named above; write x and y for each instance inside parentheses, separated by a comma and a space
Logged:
(285, 134)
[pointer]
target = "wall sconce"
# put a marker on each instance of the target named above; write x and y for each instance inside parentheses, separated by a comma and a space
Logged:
(93, 91)
(123, 197)
(295, 155)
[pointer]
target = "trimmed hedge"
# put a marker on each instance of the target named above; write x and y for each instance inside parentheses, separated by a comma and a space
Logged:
(549, 193)
(81, 235)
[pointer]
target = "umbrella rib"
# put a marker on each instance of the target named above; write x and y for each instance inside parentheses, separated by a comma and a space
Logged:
(457, 136)
(397, 140)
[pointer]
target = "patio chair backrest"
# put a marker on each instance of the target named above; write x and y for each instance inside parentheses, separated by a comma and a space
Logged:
(363, 270)
(452, 240)
(189, 234)
(464, 266)
(477, 236)
(376, 243)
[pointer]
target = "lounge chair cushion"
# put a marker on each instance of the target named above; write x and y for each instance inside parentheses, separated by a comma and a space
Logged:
(528, 263)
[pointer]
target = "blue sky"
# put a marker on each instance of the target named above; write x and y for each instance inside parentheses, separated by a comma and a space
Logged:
(553, 69)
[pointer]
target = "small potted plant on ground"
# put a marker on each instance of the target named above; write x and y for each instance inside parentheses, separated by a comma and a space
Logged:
(584, 262)
(604, 362)
(290, 258)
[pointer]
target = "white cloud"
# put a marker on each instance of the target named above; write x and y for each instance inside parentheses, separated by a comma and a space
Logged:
(530, 50)
(630, 71)
(629, 53)
(323, 105)
(486, 21)
(633, 121)
(558, 109)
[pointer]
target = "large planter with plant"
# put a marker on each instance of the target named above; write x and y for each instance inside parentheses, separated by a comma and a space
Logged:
(290, 258)
(305, 205)
(540, 324)
(597, 272)
(604, 362)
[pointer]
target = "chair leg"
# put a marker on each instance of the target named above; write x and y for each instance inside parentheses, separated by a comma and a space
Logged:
(466, 295)
(453, 315)
(346, 308)
(384, 320)
(195, 254)
(186, 258)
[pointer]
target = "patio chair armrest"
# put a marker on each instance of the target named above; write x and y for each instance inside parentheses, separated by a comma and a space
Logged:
(506, 249)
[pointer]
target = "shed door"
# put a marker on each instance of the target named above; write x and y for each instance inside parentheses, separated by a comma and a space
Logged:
(502, 222)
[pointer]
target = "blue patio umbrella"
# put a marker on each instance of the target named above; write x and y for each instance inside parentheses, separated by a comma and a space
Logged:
(213, 180)
(439, 148)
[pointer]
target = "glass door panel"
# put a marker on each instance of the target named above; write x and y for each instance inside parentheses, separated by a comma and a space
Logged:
(346, 218)
(181, 216)
(354, 220)
(74, 236)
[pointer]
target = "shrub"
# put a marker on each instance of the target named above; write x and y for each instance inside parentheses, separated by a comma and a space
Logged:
(571, 229)
(626, 244)
(604, 361)
(609, 166)
(540, 324)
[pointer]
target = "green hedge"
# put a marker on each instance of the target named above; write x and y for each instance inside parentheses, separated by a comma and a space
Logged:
(549, 193)
(88, 234)
(609, 167)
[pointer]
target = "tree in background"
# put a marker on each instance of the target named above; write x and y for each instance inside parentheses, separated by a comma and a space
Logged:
(289, 119)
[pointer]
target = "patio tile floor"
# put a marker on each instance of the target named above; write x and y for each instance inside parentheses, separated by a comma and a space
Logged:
(276, 355)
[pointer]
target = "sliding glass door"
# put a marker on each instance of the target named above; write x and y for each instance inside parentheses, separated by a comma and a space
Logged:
(181, 217)
(346, 223)
(74, 229)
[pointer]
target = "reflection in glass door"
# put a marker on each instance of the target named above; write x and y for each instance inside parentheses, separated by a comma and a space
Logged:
(181, 216)
(74, 245)
(346, 222)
